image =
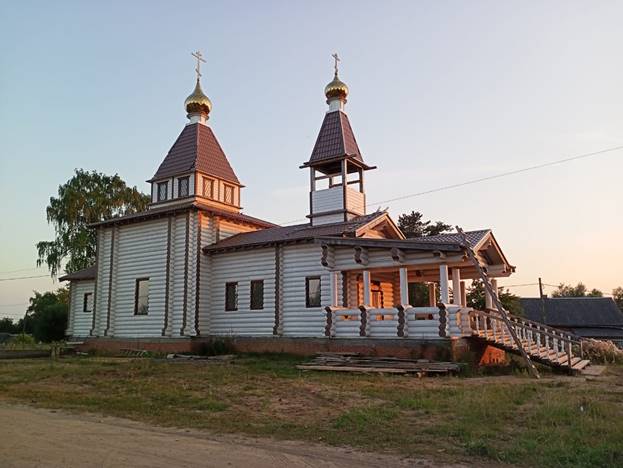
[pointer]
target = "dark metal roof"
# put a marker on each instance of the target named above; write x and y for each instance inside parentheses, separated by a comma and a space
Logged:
(85, 274)
(181, 207)
(335, 140)
(196, 148)
(598, 332)
(573, 311)
(335, 233)
(474, 237)
(292, 233)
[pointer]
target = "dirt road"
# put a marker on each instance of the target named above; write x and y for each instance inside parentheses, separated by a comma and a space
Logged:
(31, 437)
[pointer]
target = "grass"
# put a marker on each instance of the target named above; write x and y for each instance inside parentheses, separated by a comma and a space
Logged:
(558, 421)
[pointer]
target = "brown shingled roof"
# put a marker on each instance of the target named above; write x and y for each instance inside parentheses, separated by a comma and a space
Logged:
(292, 233)
(181, 207)
(84, 274)
(196, 149)
(335, 139)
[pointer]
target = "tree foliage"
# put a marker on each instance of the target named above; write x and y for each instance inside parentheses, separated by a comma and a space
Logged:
(412, 225)
(88, 197)
(476, 298)
(46, 316)
(579, 290)
(8, 326)
(617, 295)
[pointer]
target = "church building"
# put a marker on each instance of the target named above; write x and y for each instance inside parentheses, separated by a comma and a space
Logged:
(195, 266)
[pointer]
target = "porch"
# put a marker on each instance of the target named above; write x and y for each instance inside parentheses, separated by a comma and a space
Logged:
(409, 288)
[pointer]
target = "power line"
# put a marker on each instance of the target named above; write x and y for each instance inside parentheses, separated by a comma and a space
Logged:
(486, 178)
(23, 277)
(502, 174)
(17, 271)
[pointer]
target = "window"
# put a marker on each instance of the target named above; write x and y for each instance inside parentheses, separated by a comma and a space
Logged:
(229, 194)
(231, 296)
(312, 291)
(163, 189)
(182, 186)
(208, 187)
(141, 297)
(257, 294)
(87, 302)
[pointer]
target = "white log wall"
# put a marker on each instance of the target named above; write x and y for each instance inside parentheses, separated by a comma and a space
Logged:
(355, 201)
(300, 261)
(139, 252)
(208, 236)
(104, 238)
(80, 322)
(243, 267)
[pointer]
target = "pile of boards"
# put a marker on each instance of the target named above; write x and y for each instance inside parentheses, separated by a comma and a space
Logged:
(354, 362)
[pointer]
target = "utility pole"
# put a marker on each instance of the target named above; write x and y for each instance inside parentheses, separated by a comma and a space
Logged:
(542, 297)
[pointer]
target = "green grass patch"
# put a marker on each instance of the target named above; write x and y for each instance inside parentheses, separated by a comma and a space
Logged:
(508, 419)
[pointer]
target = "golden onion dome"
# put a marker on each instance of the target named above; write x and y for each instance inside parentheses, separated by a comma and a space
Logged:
(336, 89)
(198, 102)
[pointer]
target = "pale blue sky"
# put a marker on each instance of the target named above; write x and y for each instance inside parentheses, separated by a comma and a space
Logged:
(441, 92)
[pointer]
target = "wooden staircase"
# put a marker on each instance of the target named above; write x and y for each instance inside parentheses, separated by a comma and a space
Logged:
(542, 343)
(531, 340)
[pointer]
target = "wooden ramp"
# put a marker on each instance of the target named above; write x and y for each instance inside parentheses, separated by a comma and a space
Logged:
(542, 343)
(531, 340)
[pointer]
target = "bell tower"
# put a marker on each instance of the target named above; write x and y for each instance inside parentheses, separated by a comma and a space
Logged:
(336, 165)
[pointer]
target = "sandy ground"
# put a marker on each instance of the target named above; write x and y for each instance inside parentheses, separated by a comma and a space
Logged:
(32, 437)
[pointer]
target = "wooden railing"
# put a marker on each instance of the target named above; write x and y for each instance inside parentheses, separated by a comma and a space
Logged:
(540, 340)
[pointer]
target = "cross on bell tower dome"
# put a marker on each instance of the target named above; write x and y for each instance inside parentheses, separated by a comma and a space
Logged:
(336, 164)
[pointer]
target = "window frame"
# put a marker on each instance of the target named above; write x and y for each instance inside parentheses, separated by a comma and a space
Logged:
(308, 303)
(229, 307)
(85, 302)
(166, 191)
(259, 306)
(212, 181)
(179, 186)
(136, 296)
(226, 188)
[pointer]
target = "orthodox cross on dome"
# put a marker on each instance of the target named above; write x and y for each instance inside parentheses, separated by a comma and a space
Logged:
(337, 59)
(199, 56)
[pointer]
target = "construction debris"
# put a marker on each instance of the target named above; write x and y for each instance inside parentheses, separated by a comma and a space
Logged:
(602, 351)
(353, 362)
(196, 357)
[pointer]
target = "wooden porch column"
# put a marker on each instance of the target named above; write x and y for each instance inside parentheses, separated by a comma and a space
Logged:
(456, 287)
(443, 284)
(366, 288)
(488, 300)
(404, 286)
(494, 285)
(333, 280)
(432, 295)
(463, 294)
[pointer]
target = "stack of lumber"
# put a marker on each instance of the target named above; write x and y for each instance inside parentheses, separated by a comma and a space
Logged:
(353, 362)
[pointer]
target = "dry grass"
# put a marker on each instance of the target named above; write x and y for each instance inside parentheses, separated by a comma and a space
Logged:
(553, 422)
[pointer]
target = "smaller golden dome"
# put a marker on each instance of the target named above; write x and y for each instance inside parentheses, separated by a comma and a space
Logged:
(336, 89)
(198, 102)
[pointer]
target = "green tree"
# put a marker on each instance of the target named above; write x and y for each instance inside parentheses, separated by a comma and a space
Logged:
(88, 197)
(617, 295)
(579, 290)
(476, 298)
(411, 225)
(46, 316)
(8, 326)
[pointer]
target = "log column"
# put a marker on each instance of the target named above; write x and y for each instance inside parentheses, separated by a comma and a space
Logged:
(404, 286)
(456, 287)
(366, 288)
(432, 295)
(333, 283)
(443, 284)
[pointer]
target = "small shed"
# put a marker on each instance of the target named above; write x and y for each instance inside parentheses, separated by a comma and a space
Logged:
(587, 317)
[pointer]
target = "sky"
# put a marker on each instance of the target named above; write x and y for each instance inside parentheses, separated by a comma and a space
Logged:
(440, 92)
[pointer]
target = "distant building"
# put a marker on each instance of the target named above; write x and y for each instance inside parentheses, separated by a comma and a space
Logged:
(587, 317)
